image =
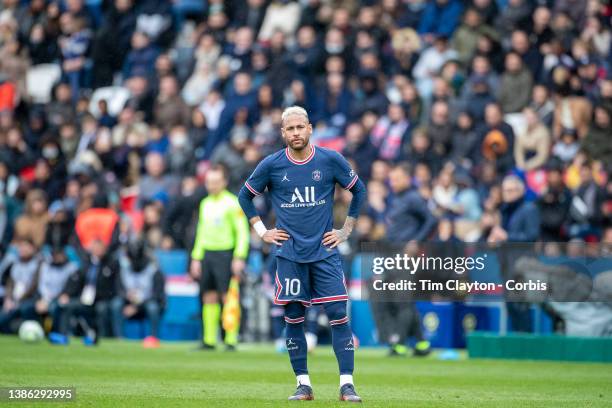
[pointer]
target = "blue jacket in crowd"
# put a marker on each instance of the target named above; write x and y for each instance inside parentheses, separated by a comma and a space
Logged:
(408, 217)
(521, 220)
(441, 20)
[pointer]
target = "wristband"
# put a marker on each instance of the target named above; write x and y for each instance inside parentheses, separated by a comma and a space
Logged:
(260, 228)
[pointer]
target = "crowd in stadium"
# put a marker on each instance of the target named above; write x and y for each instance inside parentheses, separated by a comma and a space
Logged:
(468, 120)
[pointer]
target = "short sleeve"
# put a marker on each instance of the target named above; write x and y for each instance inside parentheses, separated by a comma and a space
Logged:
(258, 181)
(343, 173)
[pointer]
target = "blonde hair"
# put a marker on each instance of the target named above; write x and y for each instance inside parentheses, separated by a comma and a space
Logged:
(294, 110)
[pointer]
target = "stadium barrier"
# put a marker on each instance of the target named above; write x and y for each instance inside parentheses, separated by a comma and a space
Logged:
(539, 347)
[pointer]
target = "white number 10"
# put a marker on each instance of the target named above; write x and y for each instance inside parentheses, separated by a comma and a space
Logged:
(292, 287)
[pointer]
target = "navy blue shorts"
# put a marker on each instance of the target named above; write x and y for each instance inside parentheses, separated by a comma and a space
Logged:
(310, 283)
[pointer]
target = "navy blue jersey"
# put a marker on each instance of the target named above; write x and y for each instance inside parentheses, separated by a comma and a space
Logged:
(302, 194)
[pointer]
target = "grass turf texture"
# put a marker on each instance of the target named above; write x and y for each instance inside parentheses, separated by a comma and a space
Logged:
(122, 373)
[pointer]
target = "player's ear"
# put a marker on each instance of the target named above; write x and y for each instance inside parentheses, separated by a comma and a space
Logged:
(309, 128)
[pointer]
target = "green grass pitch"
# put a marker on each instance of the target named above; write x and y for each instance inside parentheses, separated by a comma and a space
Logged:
(122, 373)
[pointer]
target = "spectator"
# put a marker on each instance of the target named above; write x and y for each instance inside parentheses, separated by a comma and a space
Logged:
(112, 41)
(516, 82)
(541, 28)
(533, 144)
(478, 96)
(488, 9)
(243, 97)
(91, 291)
(465, 39)
(389, 132)
(571, 112)
(141, 59)
(464, 141)
(376, 207)
(421, 152)
(444, 193)
(542, 105)
(142, 292)
(439, 129)
(586, 209)
(515, 15)
(567, 147)
(53, 278)
(429, 64)
(32, 224)
(211, 108)
(15, 151)
(371, 99)
(597, 140)
(180, 154)
(575, 10)
(531, 56)
(199, 85)
(307, 55)
(440, 18)
(169, 109)
(156, 182)
(231, 155)
(406, 45)
(554, 205)
(333, 105)
(61, 225)
(179, 219)
(520, 223)
(407, 218)
(19, 275)
(598, 36)
(74, 48)
(467, 209)
(97, 222)
(152, 228)
(252, 15)
(497, 139)
(520, 218)
(360, 149)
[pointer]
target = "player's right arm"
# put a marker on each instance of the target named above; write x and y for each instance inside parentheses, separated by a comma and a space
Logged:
(253, 187)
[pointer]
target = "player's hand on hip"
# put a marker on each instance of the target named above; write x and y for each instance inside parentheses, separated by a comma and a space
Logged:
(195, 269)
(275, 236)
(335, 237)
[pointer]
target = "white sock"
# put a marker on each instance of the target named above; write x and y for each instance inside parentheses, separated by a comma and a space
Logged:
(346, 379)
(303, 379)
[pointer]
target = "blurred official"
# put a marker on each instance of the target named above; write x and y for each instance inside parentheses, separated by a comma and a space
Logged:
(219, 252)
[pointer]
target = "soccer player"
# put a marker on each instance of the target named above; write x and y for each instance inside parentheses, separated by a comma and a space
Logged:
(301, 180)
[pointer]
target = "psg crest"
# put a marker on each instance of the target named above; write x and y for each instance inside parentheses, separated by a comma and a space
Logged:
(316, 175)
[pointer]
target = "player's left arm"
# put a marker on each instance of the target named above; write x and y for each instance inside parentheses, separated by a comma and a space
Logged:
(346, 177)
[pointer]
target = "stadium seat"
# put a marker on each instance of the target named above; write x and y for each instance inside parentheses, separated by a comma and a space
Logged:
(115, 96)
(181, 320)
(40, 80)
(172, 262)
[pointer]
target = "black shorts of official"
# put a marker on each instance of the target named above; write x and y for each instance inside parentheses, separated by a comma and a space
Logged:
(216, 271)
